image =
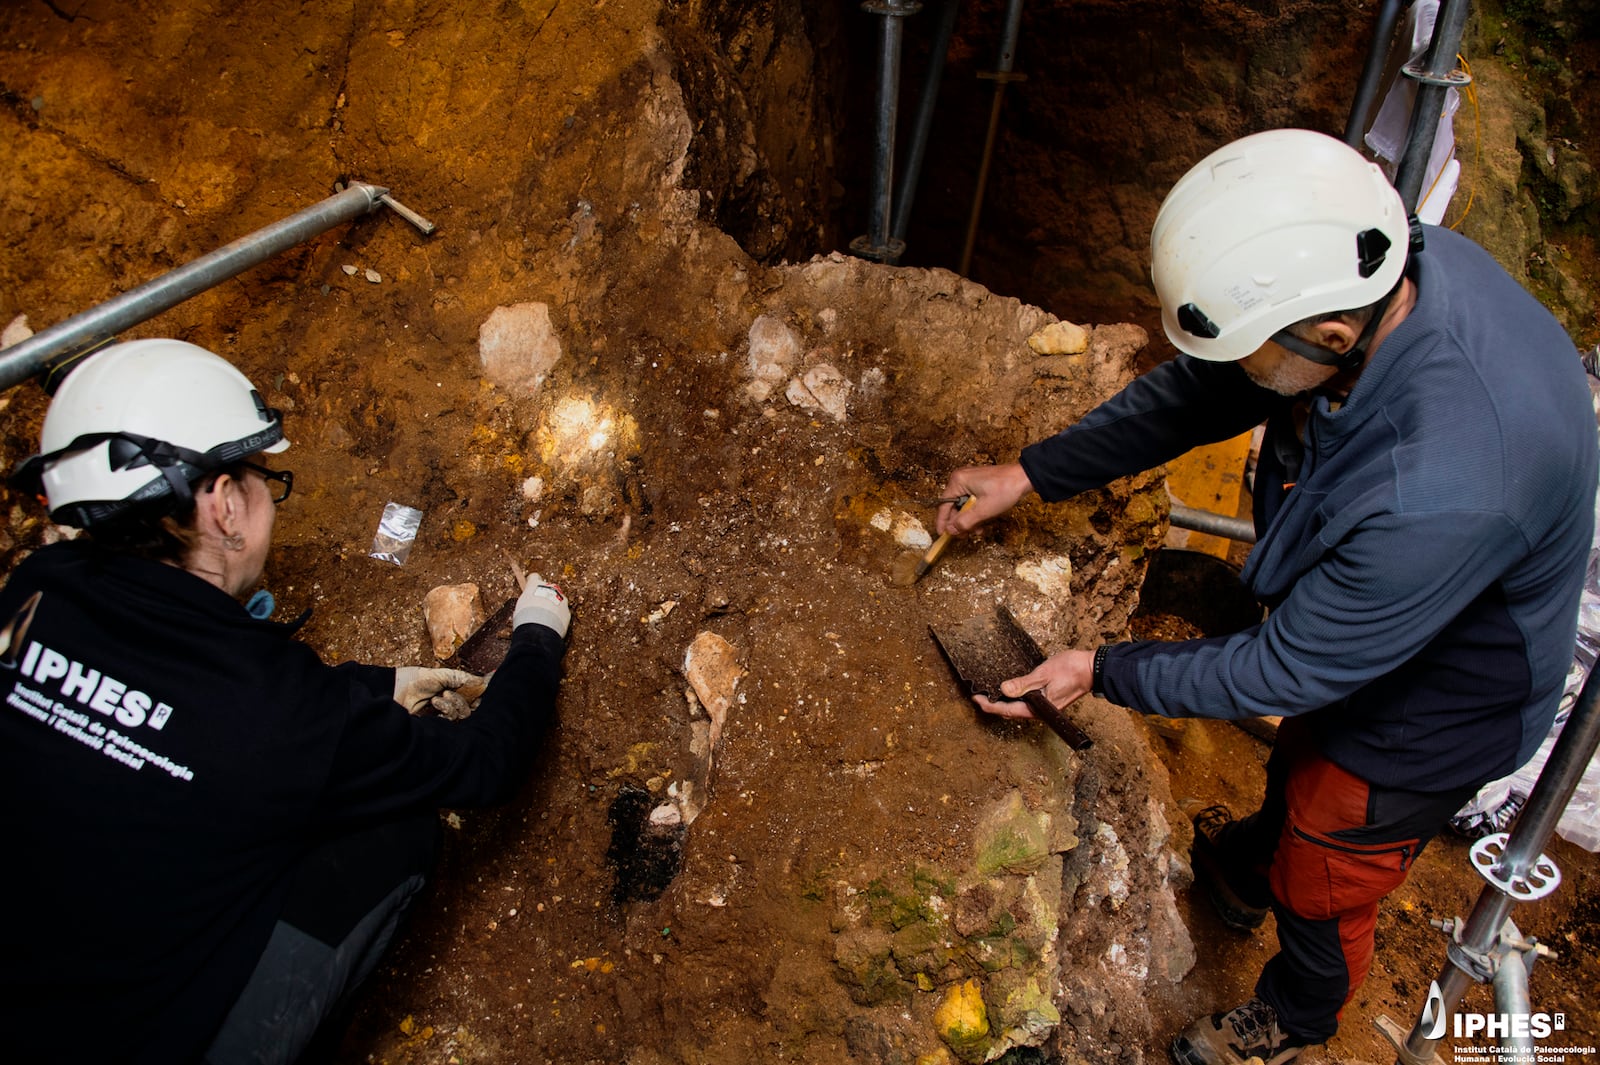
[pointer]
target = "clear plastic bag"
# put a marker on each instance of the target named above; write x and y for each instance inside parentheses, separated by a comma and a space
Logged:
(397, 531)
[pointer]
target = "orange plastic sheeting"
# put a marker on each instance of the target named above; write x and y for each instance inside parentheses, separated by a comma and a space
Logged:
(1208, 478)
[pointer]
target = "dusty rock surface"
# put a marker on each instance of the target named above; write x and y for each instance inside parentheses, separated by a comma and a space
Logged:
(592, 367)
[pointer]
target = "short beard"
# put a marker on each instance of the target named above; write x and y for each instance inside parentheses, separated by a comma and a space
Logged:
(1293, 377)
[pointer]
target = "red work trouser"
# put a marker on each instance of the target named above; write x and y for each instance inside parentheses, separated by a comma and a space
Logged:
(1328, 846)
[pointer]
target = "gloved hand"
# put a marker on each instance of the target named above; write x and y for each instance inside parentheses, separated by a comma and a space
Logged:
(542, 603)
(415, 686)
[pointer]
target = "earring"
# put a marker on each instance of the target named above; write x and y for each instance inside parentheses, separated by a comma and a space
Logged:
(234, 542)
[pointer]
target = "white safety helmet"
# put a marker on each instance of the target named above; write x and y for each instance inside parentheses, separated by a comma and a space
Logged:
(1270, 230)
(137, 424)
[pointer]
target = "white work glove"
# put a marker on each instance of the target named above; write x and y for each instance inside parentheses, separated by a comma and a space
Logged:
(542, 603)
(415, 686)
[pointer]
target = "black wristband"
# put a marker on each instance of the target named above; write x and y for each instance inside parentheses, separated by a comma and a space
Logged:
(1097, 685)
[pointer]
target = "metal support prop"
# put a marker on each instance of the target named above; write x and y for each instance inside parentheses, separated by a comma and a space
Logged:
(1372, 73)
(65, 339)
(906, 189)
(1002, 76)
(877, 244)
(1435, 75)
(1481, 936)
(1204, 521)
(1511, 996)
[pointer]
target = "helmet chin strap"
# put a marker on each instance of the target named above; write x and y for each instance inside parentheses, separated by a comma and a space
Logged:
(1352, 358)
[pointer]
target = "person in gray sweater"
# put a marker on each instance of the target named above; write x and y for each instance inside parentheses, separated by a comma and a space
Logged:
(1424, 505)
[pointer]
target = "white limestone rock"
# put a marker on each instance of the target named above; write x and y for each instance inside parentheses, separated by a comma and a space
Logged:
(518, 346)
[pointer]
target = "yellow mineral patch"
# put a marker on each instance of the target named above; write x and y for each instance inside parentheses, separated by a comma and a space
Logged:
(962, 1021)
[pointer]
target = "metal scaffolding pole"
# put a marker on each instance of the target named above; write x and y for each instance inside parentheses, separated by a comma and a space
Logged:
(72, 336)
(1435, 75)
(1372, 73)
(1516, 871)
(1002, 76)
(878, 244)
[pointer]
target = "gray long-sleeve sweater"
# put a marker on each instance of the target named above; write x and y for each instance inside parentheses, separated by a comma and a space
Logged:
(1422, 565)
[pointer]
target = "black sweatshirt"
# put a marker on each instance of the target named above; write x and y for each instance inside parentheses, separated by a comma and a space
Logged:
(165, 758)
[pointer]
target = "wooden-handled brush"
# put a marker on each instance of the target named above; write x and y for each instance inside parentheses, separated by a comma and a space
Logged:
(933, 553)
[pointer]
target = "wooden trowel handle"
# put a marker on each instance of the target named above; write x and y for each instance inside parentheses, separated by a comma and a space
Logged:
(942, 542)
(1046, 711)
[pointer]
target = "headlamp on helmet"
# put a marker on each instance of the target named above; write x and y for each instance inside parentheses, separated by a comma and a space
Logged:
(137, 424)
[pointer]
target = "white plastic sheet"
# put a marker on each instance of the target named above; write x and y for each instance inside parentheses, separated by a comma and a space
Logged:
(1387, 137)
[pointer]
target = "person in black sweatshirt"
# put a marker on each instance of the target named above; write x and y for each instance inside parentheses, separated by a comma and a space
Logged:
(214, 834)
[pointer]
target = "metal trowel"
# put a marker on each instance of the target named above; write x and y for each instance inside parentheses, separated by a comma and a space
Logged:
(482, 652)
(986, 650)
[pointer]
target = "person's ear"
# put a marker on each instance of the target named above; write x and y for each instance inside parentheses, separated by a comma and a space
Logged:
(1336, 334)
(221, 507)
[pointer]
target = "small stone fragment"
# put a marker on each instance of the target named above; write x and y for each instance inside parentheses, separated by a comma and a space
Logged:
(374, 276)
(1011, 839)
(452, 613)
(831, 388)
(349, 269)
(774, 349)
(711, 666)
(909, 532)
(666, 815)
(518, 345)
(1052, 575)
(1060, 338)
(451, 705)
(16, 332)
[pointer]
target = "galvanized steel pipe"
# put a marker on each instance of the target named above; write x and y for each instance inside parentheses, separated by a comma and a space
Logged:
(906, 190)
(1204, 521)
(1511, 996)
(878, 244)
(1372, 73)
(23, 360)
(1002, 76)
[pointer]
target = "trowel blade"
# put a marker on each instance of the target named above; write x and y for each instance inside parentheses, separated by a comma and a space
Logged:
(984, 651)
(482, 652)
(990, 649)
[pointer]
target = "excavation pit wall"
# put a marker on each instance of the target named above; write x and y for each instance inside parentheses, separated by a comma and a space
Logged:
(563, 372)
(582, 371)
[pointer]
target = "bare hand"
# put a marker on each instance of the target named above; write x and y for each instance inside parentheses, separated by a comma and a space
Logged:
(1063, 678)
(994, 489)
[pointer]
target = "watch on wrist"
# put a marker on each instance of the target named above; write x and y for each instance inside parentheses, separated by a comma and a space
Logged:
(1097, 685)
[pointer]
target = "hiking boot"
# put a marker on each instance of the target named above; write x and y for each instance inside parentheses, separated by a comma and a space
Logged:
(1212, 872)
(1233, 1038)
